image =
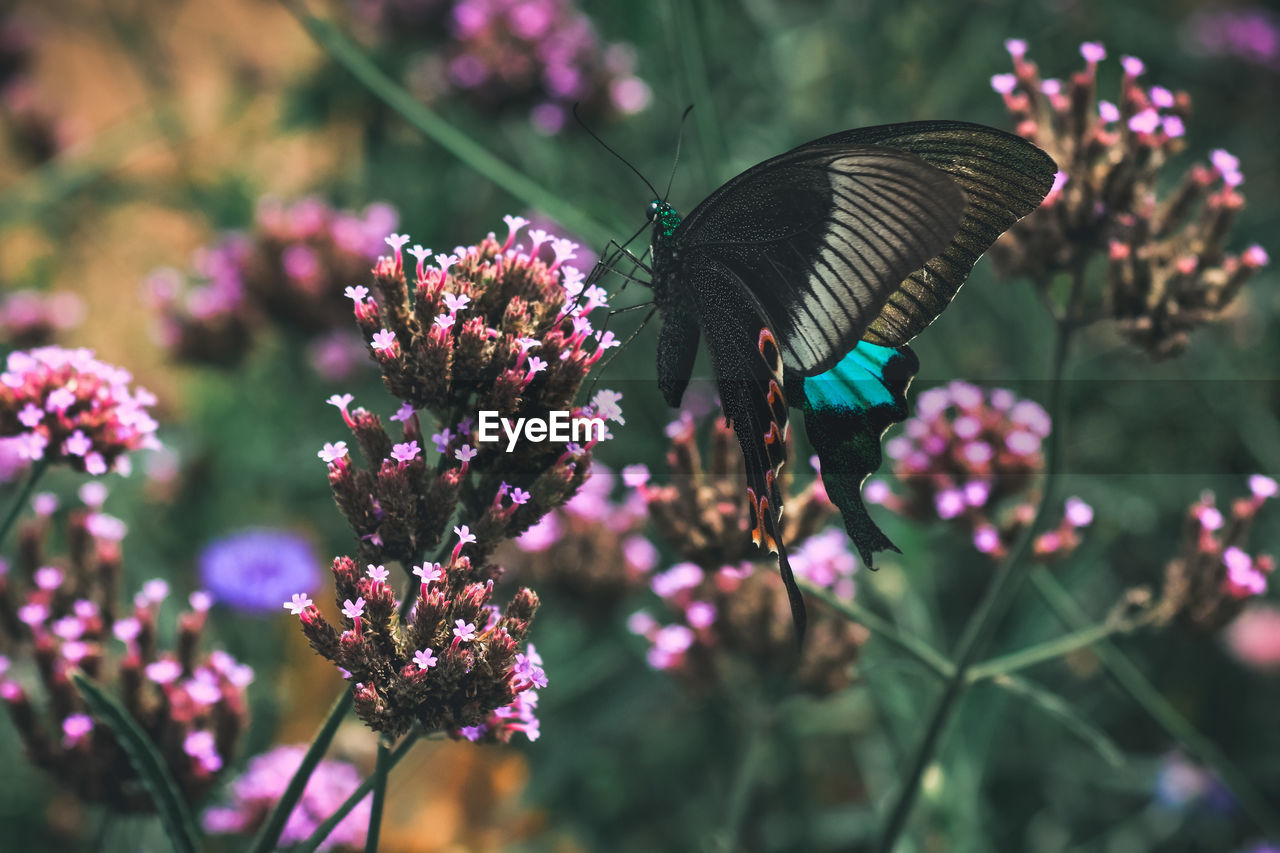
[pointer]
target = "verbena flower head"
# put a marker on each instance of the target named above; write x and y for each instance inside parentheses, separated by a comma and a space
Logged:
(1250, 34)
(253, 570)
(1254, 637)
(451, 665)
(517, 309)
(35, 130)
(726, 606)
(64, 405)
(1213, 577)
(68, 616)
(289, 271)
(30, 318)
(1168, 266)
(590, 551)
(255, 792)
(535, 58)
(972, 456)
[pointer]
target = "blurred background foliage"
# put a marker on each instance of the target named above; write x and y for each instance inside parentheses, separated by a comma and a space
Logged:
(172, 119)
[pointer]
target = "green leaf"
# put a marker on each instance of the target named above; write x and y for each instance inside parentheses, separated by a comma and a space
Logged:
(146, 760)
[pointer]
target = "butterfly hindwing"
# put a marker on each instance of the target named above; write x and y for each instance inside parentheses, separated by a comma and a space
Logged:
(846, 410)
(820, 238)
(748, 369)
(1004, 178)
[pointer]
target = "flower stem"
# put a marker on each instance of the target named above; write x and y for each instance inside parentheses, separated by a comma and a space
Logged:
(436, 128)
(322, 831)
(37, 471)
(759, 724)
(883, 628)
(269, 836)
(379, 779)
(1055, 648)
(1145, 694)
(1000, 591)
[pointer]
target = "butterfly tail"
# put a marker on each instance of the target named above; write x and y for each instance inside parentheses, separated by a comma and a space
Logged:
(846, 411)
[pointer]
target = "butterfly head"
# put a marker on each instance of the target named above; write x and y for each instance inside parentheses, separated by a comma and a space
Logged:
(664, 216)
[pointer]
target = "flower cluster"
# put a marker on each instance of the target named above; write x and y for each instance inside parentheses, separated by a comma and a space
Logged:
(1169, 270)
(37, 132)
(590, 551)
(1207, 585)
(289, 270)
(29, 318)
(1248, 33)
(537, 57)
(57, 616)
(971, 457)
(452, 665)
(486, 328)
(726, 610)
(255, 792)
(64, 405)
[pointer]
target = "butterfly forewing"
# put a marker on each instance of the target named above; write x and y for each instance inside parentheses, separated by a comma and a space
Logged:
(820, 238)
(1004, 178)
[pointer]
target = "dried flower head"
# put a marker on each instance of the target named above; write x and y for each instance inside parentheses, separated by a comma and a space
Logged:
(972, 457)
(60, 615)
(289, 271)
(254, 794)
(66, 406)
(1168, 268)
(1209, 582)
(725, 611)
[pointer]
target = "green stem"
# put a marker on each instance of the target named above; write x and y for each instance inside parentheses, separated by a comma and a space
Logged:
(1055, 648)
(436, 128)
(688, 32)
(37, 471)
(269, 836)
(1000, 592)
(322, 831)
(379, 778)
(883, 628)
(1131, 679)
(745, 778)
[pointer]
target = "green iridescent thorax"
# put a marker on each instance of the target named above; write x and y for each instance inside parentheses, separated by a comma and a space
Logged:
(668, 219)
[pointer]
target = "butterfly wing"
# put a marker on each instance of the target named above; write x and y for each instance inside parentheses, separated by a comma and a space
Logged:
(748, 369)
(1004, 178)
(819, 239)
(846, 410)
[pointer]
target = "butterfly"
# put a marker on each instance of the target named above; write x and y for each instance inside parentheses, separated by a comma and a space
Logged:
(807, 275)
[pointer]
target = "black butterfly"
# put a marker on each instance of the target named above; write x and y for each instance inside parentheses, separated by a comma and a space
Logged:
(809, 272)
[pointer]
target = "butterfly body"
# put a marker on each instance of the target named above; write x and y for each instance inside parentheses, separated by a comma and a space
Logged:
(809, 272)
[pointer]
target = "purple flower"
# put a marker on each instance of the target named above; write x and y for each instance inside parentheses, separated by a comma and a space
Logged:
(405, 452)
(300, 602)
(383, 340)
(456, 303)
(378, 573)
(332, 451)
(465, 453)
(353, 609)
(425, 659)
(254, 570)
(263, 782)
(429, 572)
(1078, 513)
(464, 631)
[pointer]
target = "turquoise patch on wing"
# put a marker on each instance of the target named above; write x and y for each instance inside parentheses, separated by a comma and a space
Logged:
(846, 411)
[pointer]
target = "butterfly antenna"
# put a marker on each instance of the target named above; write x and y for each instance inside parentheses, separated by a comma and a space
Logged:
(676, 162)
(611, 151)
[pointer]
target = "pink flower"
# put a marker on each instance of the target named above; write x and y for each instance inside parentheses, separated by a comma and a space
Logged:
(1254, 637)
(301, 601)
